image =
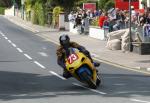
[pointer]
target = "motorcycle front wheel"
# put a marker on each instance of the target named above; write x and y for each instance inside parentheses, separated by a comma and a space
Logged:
(88, 80)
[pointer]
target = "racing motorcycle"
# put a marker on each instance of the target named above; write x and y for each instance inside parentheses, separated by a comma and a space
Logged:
(81, 68)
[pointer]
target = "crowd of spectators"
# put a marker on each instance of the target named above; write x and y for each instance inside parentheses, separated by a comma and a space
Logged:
(114, 19)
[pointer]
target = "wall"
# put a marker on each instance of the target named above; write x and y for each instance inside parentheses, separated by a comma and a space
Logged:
(9, 11)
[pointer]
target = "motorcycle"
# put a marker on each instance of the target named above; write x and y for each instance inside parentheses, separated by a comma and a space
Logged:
(81, 68)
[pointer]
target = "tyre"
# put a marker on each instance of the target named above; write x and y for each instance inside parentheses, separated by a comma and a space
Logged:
(98, 81)
(88, 80)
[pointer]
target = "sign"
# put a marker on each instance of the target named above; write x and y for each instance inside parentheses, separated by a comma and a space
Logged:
(124, 4)
(89, 6)
(72, 58)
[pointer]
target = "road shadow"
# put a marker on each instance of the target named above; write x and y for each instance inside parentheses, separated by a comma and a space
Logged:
(16, 85)
(126, 85)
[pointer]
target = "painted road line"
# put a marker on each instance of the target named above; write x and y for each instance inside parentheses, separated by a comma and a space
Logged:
(2, 33)
(9, 41)
(19, 50)
(14, 45)
(6, 38)
(57, 75)
(39, 64)
(93, 90)
(43, 54)
(141, 101)
(28, 56)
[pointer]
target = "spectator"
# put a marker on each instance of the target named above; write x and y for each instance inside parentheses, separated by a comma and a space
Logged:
(141, 19)
(148, 19)
(71, 16)
(78, 19)
(103, 18)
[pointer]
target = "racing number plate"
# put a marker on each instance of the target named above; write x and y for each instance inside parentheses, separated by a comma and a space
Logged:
(73, 57)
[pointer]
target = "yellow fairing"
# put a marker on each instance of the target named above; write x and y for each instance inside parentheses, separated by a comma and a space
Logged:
(82, 59)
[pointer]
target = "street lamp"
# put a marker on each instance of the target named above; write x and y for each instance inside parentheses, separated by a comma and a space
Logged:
(130, 37)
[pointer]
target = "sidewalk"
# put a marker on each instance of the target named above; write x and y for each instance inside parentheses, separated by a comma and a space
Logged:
(96, 47)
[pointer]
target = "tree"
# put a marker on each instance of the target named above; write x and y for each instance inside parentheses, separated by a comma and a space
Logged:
(6, 3)
(106, 4)
(110, 4)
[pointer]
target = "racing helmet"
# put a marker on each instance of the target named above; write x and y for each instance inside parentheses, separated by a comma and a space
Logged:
(64, 40)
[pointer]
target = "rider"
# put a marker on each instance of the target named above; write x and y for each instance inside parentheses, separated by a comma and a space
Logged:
(65, 43)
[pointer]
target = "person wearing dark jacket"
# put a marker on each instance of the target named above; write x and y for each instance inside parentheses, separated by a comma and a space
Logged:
(65, 43)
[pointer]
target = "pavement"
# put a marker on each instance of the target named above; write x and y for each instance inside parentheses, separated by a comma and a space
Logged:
(99, 52)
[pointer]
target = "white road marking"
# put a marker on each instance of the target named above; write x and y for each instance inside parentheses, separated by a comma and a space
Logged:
(2, 34)
(57, 75)
(44, 48)
(6, 38)
(119, 84)
(19, 50)
(28, 56)
(43, 54)
(93, 90)
(39, 64)
(14, 45)
(141, 101)
(9, 41)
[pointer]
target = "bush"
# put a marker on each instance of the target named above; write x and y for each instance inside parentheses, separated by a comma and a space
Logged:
(95, 22)
(38, 16)
(2, 10)
(41, 15)
(35, 14)
(109, 4)
(56, 11)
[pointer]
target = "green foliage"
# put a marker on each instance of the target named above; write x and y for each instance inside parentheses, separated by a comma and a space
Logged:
(41, 14)
(94, 22)
(2, 10)
(56, 11)
(38, 10)
(102, 3)
(106, 4)
(6, 3)
(144, 2)
(38, 16)
(28, 8)
(109, 4)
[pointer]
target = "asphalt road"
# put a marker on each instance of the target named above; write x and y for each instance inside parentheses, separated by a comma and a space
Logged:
(29, 73)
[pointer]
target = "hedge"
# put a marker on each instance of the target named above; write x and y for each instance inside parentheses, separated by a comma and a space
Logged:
(2, 10)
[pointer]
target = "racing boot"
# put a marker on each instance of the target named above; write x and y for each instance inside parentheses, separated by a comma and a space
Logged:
(66, 74)
(96, 64)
